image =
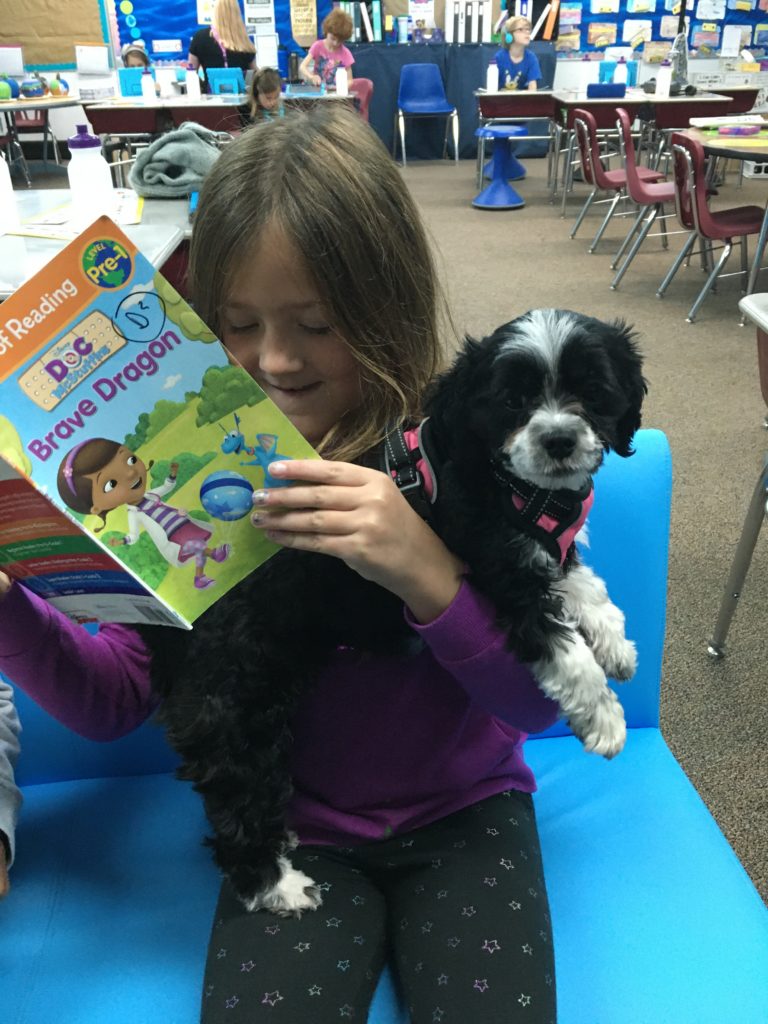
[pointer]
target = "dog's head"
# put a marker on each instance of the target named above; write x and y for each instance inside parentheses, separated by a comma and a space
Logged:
(545, 395)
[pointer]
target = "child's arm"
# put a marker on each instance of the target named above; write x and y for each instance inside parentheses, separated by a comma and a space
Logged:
(98, 686)
(306, 72)
(10, 797)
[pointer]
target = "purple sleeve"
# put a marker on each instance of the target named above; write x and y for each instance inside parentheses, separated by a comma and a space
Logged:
(98, 686)
(467, 643)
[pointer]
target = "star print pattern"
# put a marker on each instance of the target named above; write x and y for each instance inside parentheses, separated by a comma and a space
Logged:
(470, 932)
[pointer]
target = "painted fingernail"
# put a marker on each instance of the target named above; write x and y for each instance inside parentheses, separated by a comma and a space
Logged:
(278, 468)
(256, 518)
(260, 497)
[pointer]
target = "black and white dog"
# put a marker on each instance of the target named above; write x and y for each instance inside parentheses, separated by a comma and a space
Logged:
(515, 430)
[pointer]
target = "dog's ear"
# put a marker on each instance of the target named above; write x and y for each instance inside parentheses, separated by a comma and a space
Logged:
(628, 366)
(452, 394)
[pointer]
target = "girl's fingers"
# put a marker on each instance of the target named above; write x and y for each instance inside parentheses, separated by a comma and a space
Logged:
(321, 471)
(305, 521)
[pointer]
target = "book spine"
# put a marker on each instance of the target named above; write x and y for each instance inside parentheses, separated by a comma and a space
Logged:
(487, 22)
(366, 19)
(461, 35)
(356, 23)
(475, 21)
(378, 35)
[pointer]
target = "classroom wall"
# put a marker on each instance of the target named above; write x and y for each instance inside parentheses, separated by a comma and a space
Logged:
(48, 29)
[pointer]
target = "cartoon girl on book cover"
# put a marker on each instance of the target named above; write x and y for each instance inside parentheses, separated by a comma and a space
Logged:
(98, 476)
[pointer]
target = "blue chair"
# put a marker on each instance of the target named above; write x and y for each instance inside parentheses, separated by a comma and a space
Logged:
(225, 80)
(129, 80)
(422, 94)
(655, 920)
(500, 195)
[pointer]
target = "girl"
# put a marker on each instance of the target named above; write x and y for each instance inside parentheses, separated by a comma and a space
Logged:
(411, 796)
(518, 66)
(328, 54)
(225, 44)
(266, 98)
(97, 476)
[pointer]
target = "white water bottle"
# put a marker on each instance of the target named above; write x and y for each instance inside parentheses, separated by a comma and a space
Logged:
(664, 79)
(148, 87)
(9, 214)
(342, 81)
(193, 83)
(90, 179)
(620, 72)
(492, 77)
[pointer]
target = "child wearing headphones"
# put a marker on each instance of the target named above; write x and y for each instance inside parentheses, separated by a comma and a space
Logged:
(266, 97)
(518, 66)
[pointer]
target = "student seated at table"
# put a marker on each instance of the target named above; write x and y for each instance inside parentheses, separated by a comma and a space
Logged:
(519, 67)
(327, 54)
(134, 56)
(225, 44)
(265, 96)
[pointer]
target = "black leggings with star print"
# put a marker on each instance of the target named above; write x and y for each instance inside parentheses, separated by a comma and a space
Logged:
(458, 907)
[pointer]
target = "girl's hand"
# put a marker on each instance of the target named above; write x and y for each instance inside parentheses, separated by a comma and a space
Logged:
(316, 80)
(359, 515)
(5, 585)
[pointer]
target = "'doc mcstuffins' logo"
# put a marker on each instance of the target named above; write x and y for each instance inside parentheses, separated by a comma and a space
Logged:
(107, 264)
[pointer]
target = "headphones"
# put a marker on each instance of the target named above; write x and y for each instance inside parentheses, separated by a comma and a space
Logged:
(508, 37)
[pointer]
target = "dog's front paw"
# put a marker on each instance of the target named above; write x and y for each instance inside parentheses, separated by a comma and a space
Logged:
(618, 659)
(291, 896)
(602, 728)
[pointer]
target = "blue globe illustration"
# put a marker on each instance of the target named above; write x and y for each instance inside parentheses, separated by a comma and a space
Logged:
(226, 495)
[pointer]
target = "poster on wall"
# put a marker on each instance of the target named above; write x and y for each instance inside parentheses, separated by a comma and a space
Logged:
(304, 21)
(204, 11)
(422, 11)
(260, 17)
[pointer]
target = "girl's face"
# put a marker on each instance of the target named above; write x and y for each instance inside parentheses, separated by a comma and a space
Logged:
(274, 324)
(269, 100)
(122, 481)
(332, 42)
(133, 60)
(522, 36)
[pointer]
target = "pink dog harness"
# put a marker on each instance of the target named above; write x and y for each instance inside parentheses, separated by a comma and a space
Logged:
(553, 518)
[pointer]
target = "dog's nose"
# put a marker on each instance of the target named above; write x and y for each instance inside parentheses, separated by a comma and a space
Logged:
(559, 443)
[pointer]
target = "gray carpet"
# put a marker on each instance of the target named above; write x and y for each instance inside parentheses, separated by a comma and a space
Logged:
(704, 393)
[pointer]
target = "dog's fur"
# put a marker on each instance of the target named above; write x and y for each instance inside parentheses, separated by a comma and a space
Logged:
(543, 398)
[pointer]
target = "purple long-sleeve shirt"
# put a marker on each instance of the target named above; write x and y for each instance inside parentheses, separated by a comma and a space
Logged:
(381, 745)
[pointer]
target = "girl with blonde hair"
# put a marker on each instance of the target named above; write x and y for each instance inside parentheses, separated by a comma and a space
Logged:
(225, 44)
(519, 66)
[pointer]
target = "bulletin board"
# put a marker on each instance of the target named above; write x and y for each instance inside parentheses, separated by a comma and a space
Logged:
(651, 25)
(47, 30)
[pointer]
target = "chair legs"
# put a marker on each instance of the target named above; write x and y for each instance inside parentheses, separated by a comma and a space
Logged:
(644, 221)
(756, 513)
(451, 124)
(601, 230)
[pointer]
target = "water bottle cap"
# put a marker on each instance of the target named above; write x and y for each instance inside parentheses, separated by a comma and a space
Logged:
(83, 139)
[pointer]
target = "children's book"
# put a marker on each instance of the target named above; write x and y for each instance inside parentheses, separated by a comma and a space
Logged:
(130, 442)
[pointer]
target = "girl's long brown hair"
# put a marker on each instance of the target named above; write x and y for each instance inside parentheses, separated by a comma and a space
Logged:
(327, 181)
(227, 22)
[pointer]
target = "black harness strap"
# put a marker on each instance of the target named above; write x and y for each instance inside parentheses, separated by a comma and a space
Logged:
(401, 463)
(562, 505)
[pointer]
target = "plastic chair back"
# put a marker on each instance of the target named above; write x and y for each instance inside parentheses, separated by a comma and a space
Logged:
(225, 80)
(129, 80)
(582, 129)
(682, 165)
(636, 187)
(421, 87)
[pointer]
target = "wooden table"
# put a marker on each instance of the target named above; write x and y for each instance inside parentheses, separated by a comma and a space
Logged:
(667, 112)
(506, 106)
(133, 115)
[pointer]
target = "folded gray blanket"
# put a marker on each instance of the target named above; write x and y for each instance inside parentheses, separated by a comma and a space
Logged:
(176, 163)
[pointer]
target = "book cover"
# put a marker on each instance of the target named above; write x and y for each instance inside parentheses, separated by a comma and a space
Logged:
(474, 22)
(130, 442)
(378, 35)
(366, 19)
(461, 34)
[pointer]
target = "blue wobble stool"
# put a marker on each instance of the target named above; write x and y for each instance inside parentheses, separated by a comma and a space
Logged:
(499, 194)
